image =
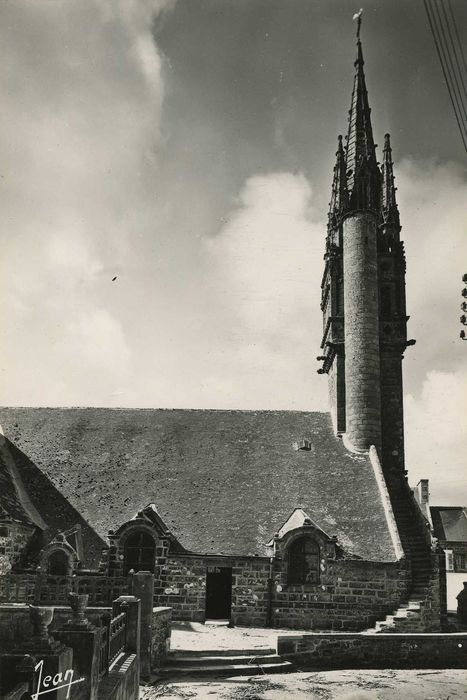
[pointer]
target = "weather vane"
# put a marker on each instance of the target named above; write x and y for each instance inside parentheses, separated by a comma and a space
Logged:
(358, 17)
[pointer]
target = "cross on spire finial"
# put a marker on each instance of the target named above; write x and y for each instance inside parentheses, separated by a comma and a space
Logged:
(358, 17)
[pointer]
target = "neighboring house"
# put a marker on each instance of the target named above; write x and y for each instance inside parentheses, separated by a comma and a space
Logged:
(450, 529)
(279, 518)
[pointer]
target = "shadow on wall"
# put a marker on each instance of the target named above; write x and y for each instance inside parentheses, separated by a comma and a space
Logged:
(54, 508)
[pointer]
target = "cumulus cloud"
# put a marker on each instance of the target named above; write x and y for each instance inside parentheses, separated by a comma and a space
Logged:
(437, 436)
(267, 266)
(432, 202)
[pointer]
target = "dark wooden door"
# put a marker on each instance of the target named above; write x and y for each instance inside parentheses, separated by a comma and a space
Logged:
(218, 593)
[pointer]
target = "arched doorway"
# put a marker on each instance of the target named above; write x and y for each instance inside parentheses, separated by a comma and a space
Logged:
(58, 563)
(139, 549)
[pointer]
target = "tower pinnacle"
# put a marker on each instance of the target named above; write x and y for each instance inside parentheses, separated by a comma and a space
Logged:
(363, 178)
(339, 194)
(389, 211)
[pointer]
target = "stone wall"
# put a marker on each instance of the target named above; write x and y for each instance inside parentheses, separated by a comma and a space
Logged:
(181, 585)
(122, 682)
(328, 651)
(351, 595)
(392, 413)
(160, 639)
(250, 595)
(336, 390)
(434, 607)
(13, 539)
(362, 360)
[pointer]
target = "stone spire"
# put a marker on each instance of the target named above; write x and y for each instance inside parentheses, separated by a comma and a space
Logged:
(389, 210)
(363, 177)
(339, 194)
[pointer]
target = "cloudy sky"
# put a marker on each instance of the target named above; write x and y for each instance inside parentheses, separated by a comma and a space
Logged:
(165, 176)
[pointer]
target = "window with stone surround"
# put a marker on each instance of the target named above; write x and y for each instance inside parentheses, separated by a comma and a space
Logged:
(140, 549)
(303, 561)
(460, 561)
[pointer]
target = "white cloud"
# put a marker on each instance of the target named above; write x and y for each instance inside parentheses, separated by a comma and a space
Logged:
(432, 201)
(267, 265)
(81, 110)
(436, 438)
(100, 341)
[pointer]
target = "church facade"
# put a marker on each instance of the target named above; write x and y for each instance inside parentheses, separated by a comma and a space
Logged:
(278, 518)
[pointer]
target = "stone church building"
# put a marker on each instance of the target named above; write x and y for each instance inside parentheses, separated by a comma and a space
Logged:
(279, 518)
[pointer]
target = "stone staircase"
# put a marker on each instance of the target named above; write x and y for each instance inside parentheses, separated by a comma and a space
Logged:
(414, 535)
(235, 662)
(405, 619)
(416, 545)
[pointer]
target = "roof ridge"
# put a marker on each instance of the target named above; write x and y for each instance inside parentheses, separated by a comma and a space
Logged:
(161, 408)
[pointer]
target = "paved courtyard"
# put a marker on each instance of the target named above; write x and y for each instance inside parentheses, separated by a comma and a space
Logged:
(194, 636)
(331, 685)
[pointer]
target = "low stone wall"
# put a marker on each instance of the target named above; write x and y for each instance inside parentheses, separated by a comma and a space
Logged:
(122, 682)
(16, 627)
(160, 641)
(322, 651)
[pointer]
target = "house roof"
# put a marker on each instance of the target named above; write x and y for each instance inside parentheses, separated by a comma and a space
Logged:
(449, 523)
(222, 481)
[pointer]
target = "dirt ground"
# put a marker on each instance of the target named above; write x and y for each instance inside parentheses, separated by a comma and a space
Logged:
(330, 685)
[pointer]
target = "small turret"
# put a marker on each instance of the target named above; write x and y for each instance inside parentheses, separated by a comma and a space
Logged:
(339, 193)
(389, 210)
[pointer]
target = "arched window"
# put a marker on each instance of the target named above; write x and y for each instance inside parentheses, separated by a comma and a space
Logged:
(303, 561)
(139, 552)
(58, 563)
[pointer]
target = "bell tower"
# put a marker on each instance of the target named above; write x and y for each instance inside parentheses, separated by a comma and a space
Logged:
(363, 290)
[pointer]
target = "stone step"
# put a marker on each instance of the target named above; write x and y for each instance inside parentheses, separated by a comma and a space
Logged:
(201, 653)
(216, 660)
(227, 669)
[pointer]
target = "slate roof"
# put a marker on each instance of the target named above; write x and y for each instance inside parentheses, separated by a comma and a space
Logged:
(449, 523)
(11, 507)
(223, 481)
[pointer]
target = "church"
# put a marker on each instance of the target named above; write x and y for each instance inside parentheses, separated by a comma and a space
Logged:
(266, 518)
